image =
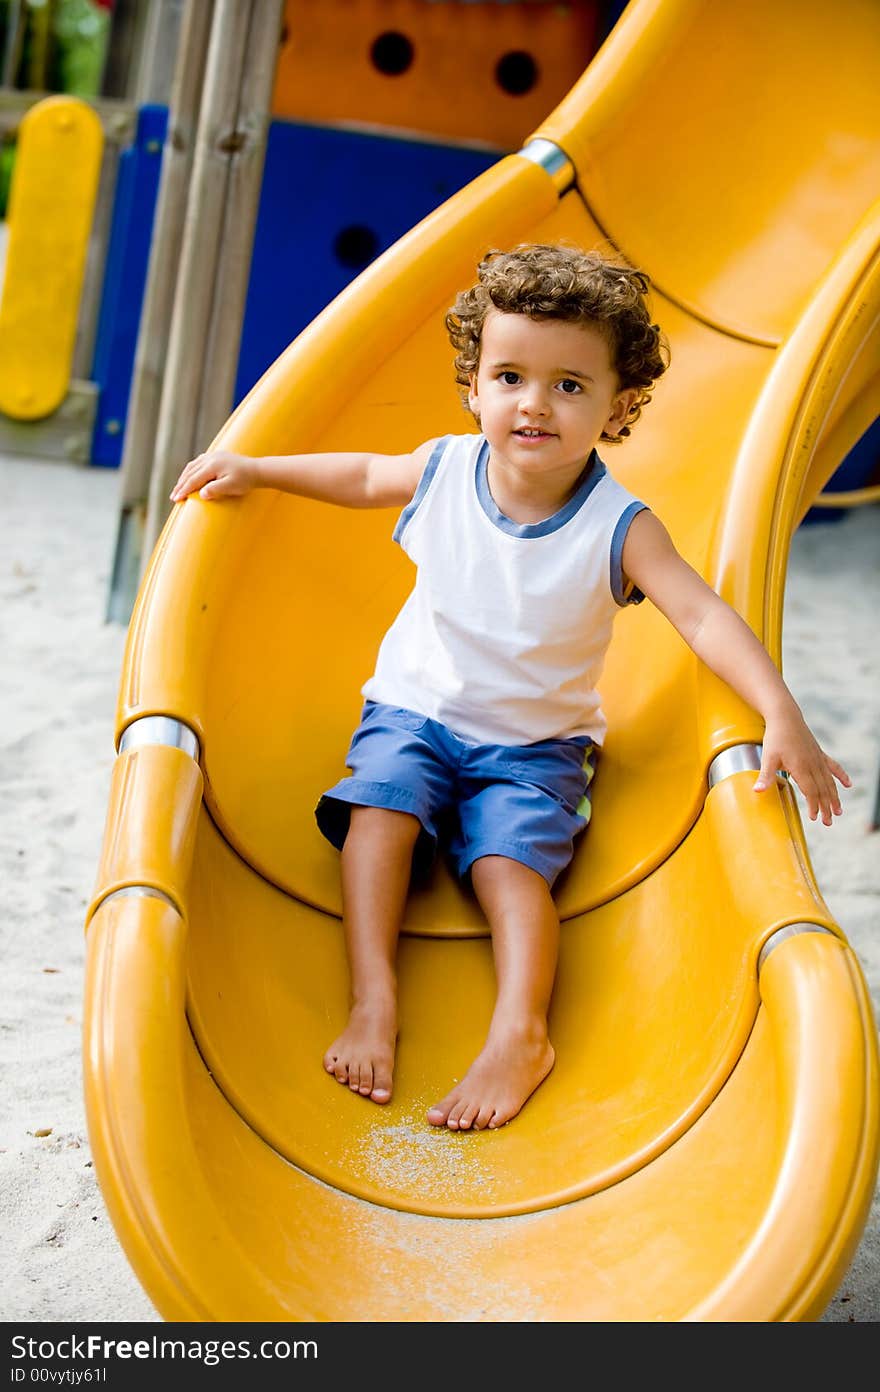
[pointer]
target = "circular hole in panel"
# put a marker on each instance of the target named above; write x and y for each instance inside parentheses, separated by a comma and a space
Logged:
(356, 246)
(392, 53)
(516, 72)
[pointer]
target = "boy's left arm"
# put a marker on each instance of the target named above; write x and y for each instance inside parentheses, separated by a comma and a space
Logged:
(724, 641)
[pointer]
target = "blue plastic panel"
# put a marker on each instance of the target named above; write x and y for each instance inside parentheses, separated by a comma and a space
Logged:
(333, 200)
(125, 277)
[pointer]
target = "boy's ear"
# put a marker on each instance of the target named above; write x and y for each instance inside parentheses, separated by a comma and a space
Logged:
(621, 407)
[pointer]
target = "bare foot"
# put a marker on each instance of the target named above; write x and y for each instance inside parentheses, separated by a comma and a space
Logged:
(498, 1083)
(363, 1055)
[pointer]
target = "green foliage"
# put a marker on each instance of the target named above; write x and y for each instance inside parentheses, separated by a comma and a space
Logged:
(7, 160)
(60, 46)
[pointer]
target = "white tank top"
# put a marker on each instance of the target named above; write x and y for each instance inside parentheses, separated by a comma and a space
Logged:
(504, 634)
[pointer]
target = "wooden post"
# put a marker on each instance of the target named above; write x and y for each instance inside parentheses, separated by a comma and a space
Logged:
(181, 396)
(244, 182)
(153, 80)
(217, 240)
(124, 47)
(148, 374)
(15, 25)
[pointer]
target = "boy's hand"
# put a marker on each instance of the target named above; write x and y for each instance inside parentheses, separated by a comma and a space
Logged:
(216, 475)
(790, 747)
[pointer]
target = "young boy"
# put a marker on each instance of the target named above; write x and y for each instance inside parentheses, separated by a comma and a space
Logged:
(482, 720)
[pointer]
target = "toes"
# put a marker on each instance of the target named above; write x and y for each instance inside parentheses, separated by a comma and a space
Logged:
(484, 1116)
(438, 1115)
(335, 1065)
(381, 1085)
(459, 1114)
(365, 1079)
(470, 1117)
(456, 1118)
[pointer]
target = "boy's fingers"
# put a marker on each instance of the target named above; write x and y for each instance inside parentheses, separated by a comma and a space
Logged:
(824, 802)
(193, 476)
(829, 796)
(833, 803)
(769, 765)
(815, 782)
(182, 481)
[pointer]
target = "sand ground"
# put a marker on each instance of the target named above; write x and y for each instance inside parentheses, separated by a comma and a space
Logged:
(58, 682)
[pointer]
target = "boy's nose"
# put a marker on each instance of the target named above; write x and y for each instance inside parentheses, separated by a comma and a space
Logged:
(533, 402)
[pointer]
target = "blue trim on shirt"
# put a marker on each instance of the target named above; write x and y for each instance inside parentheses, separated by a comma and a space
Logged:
(594, 472)
(634, 596)
(424, 484)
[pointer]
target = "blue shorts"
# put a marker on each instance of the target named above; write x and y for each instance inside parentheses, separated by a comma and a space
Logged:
(527, 802)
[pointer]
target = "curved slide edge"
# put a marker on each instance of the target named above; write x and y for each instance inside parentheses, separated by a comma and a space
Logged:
(187, 1199)
(139, 1121)
(828, 1135)
(171, 1213)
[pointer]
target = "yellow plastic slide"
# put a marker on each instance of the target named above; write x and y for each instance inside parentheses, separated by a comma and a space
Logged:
(706, 1148)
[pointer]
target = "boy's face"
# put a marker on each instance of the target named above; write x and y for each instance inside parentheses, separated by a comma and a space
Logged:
(545, 391)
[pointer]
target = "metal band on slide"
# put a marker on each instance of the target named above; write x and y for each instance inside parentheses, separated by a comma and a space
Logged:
(739, 758)
(154, 730)
(553, 160)
(791, 930)
(160, 729)
(140, 892)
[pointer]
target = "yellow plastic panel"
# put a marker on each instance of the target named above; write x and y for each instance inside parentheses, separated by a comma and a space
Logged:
(51, 202)
(808, 415)
(220, 1227)
(830, 1140)
(139, 1129)
(730, 147)
(655, 998)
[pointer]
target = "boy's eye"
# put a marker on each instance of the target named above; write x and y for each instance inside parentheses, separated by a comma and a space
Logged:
(569, 386)
(509, 379)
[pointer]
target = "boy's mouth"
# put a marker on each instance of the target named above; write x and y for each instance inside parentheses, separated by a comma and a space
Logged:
(527, 432)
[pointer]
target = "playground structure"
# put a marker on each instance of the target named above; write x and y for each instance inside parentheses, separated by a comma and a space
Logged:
(198, 279)
(706, 1147)
(198, 256)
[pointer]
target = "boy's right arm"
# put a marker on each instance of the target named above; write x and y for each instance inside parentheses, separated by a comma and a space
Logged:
(349, 480)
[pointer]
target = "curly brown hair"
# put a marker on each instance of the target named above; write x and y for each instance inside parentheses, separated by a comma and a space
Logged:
(579, 287)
